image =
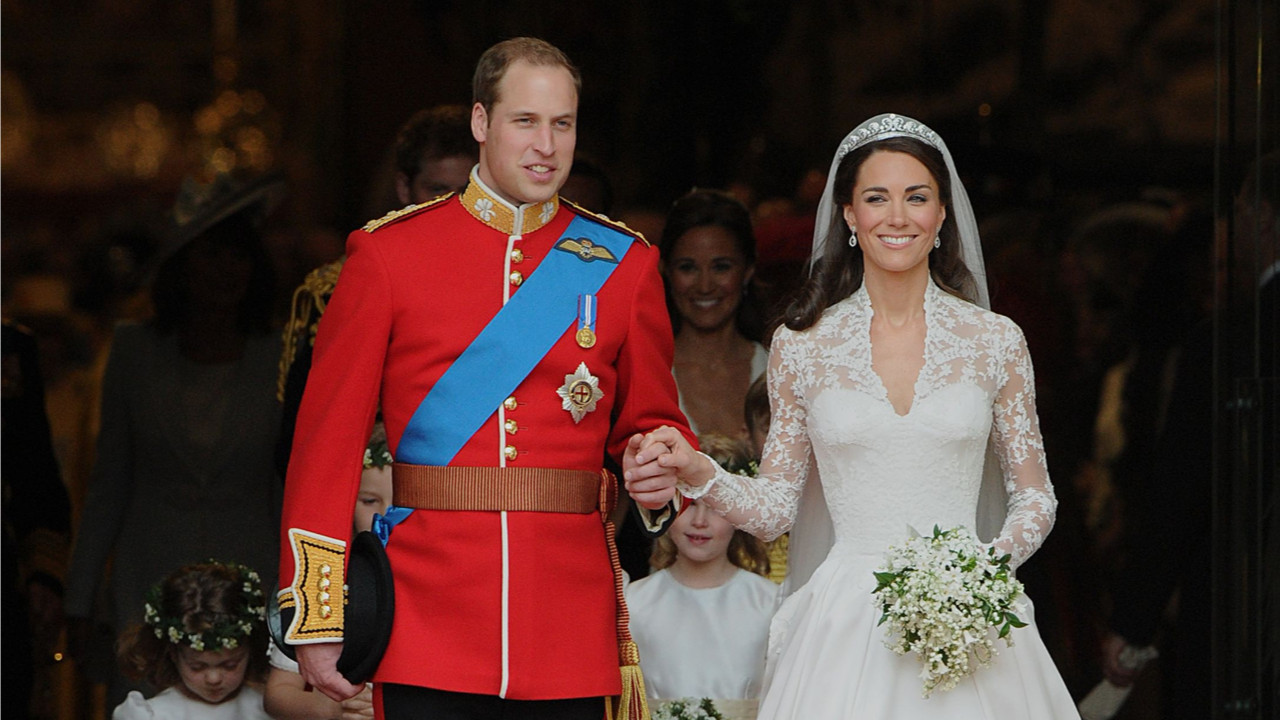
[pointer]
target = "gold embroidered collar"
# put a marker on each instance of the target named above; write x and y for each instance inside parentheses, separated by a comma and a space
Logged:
(489, 208)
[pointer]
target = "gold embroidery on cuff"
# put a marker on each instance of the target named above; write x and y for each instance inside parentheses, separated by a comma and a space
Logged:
(318, 565)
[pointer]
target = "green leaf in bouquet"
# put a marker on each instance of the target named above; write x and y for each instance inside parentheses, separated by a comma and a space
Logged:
(884, 580)
(710, 709)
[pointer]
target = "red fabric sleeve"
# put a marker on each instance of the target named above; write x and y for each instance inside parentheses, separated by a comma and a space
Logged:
(340, 401)
(646, 388)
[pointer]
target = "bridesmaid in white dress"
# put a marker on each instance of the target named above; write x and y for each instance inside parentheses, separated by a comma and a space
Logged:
(888, 385)
(701, 622)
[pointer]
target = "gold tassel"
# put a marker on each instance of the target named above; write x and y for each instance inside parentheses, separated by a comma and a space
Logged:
(632, 703)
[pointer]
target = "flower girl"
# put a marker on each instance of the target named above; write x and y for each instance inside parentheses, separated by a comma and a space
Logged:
(701, 622)
(204, 642)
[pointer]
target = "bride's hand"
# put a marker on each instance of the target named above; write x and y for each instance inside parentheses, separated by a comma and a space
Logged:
(653, 463)
(649, 484)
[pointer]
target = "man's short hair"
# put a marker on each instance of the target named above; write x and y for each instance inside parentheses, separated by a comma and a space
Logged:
(493, 65)
(438, 132)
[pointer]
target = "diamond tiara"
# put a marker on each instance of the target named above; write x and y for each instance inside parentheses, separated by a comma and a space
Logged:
(887, 126)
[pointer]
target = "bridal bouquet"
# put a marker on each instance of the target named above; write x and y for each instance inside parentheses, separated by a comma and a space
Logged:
(688, 709)
(941, 596)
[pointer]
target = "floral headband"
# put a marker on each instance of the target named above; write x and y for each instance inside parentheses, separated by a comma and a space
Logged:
(377, 455)
(225, 634)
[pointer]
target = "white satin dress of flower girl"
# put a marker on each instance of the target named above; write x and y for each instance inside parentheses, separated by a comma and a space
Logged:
(883, 473)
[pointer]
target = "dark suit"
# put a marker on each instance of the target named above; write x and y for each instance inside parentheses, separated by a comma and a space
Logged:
(1171, 542)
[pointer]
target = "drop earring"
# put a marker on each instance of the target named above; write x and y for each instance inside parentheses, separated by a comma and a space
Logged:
(937, 241)
(853, 238)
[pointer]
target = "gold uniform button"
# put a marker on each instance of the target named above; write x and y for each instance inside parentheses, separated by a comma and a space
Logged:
(511, 427)
(516, 278)
(510, 452)
(325, 611)
(517, 256)
(510, 403)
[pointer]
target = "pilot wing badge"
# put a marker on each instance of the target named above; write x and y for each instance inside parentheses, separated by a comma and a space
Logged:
(586, 250)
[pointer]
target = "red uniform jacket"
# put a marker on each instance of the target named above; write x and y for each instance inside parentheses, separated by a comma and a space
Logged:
(514, 604)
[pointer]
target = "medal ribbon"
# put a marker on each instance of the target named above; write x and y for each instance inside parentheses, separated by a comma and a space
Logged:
(587, 313)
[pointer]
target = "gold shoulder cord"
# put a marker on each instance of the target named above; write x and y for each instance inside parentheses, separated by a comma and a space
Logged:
(606, 220)
(404, 212)
(308, 301)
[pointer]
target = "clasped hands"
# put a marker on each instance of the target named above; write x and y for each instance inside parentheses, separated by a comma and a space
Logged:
(652, 464)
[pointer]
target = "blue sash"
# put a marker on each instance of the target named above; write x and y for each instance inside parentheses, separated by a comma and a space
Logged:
(513, 343)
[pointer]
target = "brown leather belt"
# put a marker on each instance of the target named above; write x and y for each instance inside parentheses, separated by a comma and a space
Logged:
(434, 487)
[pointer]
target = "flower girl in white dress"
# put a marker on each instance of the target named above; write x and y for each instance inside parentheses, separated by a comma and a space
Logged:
(701, 621)
(889, 383)
(204, 643)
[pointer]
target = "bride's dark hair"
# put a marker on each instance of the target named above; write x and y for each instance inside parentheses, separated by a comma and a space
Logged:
(838, 273)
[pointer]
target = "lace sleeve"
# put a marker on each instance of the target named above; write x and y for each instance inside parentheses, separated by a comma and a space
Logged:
(1032, 505)
(765, 505)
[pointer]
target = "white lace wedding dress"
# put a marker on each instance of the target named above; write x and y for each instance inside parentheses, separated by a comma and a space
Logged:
(883, 473)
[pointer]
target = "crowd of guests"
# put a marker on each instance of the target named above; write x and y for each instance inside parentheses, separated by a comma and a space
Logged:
(187, 434)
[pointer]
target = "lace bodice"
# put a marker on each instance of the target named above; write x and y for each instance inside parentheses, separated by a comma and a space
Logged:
(882, 472)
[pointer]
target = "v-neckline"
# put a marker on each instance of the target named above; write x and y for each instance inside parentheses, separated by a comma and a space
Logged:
(871, 364)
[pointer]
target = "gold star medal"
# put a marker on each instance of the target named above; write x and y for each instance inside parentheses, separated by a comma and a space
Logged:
(580, 393)
(586, 335)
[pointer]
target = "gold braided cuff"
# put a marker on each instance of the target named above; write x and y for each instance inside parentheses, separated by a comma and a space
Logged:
(317, 588)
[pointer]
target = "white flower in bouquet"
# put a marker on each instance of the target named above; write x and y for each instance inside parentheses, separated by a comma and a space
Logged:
(941, 597)
(688, 709)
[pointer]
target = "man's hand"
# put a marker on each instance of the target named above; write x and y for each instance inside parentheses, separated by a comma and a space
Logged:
(318, 665)
(1120, 674)
(649, 484)
(360, 706)
(653, 463)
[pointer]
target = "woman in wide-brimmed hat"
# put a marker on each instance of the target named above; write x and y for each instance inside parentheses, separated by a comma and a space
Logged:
(189, 416)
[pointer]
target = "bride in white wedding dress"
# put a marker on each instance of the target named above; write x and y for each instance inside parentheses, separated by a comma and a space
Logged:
(888, 386)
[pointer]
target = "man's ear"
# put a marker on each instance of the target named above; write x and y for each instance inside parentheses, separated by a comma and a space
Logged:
(479, 123)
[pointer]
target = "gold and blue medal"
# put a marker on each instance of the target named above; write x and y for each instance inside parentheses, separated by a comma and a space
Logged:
(586, 335)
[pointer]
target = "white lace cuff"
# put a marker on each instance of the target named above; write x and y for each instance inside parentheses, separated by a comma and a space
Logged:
(693, 492)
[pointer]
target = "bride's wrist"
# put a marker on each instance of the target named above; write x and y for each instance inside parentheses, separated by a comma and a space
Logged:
(700, 481)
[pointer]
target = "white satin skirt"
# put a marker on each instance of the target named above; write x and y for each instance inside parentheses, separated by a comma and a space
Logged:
(828, 660)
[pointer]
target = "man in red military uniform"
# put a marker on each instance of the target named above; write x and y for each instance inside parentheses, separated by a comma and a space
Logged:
(512, 341)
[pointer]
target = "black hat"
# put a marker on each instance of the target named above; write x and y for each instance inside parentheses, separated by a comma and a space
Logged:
(200, 206)
(370, 608)
(368, 612)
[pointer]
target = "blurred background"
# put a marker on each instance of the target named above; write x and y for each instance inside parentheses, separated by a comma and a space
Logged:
(1105, 145)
